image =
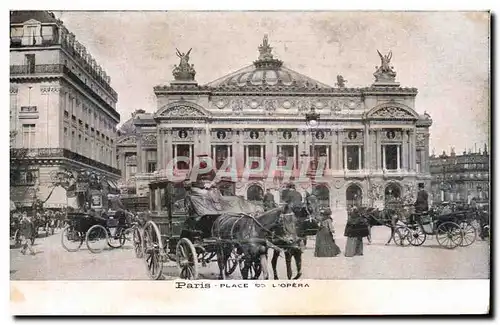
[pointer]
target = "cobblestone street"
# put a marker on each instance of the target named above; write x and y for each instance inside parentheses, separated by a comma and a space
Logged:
(379, 261)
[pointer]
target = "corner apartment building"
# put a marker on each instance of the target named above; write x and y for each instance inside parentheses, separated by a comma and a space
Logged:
(62, 108)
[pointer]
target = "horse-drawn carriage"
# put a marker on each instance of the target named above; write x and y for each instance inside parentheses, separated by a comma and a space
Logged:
(193, 223)
(196, 225)
(99, 218)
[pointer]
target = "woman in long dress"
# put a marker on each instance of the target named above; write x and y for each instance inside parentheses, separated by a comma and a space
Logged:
(325, 240)
(355, 229)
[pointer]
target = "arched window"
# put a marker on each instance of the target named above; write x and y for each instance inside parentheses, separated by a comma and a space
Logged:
(392, 192)
(354, 195)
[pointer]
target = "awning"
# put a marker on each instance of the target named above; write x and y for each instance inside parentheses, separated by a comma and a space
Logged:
(113, 186)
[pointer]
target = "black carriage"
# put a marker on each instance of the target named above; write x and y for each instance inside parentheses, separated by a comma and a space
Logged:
(97, 218)
(451, 230)
(180, 229)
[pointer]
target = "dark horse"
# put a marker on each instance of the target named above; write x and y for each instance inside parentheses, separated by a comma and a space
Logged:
(386, 217)
(288, 227)
(243, 233)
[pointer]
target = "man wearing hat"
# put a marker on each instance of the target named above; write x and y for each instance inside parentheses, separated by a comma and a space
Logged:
(422, 203)
(294, 198)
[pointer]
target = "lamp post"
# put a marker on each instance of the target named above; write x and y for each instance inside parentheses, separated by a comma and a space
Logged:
(312, 120)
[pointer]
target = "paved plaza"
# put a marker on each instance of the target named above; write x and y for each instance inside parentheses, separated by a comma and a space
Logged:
(379, 261)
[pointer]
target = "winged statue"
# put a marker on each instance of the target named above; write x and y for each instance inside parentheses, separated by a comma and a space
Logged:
(184, 57)
(386, 60)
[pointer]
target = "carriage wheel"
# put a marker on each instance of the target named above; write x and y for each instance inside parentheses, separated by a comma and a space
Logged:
(417, 236)
(469, 234)
(116, 237)
(401, 236)
(71, 240)
(449, 235)
(232, 262)
(96, 238)
(137, 240)
(187, 259)
(152, 250)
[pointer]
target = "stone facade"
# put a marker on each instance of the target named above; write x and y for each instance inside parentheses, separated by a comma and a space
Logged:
(62, 107)
(460, 178)
(373, 140)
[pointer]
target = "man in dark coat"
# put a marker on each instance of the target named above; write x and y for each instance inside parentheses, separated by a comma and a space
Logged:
(294, 198)
(269, 200)
(422, 203)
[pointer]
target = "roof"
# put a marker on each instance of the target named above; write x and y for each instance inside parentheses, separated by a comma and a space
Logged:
(128, 127)
(19, 17)
(268, 72)
(269, 76)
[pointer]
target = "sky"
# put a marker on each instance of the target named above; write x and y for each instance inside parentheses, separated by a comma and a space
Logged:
(445, 55)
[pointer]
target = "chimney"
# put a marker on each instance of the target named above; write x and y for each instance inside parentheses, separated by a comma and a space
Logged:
(485, 149)
(452, 152)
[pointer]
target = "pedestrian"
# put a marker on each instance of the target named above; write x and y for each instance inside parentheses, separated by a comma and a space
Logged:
(269, 201)
(355, 229)
(422, 202)
(26, 234)
(325, 238)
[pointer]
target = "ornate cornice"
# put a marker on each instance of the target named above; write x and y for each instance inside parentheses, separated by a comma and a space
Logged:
(283, 90)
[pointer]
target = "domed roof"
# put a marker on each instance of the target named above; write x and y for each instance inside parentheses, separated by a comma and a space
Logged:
(266, 71)
(128, 127)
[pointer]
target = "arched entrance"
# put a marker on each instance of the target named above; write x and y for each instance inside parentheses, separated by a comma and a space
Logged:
(354, 195)
(392, 192)
(255, 193)
(323, 194)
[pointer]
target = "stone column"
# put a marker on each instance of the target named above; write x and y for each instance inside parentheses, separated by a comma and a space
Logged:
(360, 163)
(413, 145)
(366, 146)
(139, 154)
(241, 150)
(383, 157)
(328, 160)
(167, 145)
(144, 161)
(159, 149)
(207, 142)
(344, 155)
(234, 144)
(196, 138)
(340, 149)
(398, 155)
(378, 149)
(334, 152)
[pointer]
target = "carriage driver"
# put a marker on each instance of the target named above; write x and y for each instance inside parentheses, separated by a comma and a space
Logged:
(294, 198)
(422, 203)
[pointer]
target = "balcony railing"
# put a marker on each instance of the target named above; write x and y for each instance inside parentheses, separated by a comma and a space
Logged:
(60, 153)
(16, 42)
(36, 69)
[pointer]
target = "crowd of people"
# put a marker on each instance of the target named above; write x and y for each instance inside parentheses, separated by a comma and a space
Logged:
(357, 227)
(28, 225)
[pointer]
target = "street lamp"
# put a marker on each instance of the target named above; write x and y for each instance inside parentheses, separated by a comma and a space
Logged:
(312, 120)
